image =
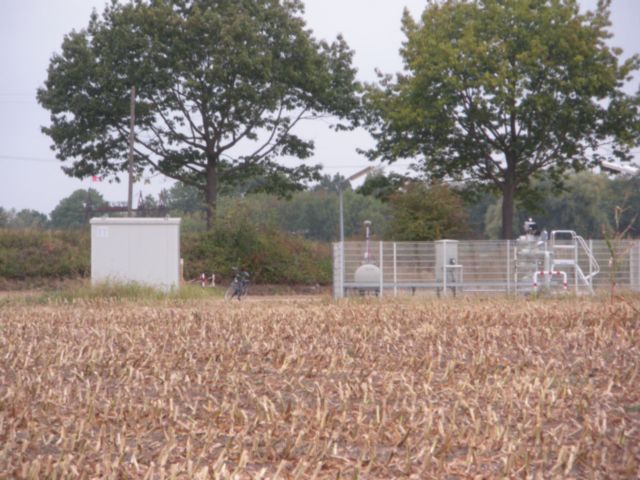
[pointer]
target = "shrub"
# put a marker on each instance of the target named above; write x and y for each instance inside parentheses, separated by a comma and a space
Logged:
(270, 255)
(34, 253)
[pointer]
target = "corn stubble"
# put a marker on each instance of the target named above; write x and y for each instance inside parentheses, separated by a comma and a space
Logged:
(307, 389)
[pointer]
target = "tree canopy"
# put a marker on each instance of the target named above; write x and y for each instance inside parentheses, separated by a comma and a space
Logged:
(25, 218)
(220, 86)
(74, 211)
(497, 91)
(425, 213)
(382, 186)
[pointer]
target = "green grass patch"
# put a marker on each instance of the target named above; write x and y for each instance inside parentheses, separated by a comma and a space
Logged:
(117, 292)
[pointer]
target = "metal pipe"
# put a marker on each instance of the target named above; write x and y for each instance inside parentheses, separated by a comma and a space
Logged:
(550, 273)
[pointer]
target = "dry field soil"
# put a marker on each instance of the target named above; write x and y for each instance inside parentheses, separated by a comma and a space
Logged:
(309, 388)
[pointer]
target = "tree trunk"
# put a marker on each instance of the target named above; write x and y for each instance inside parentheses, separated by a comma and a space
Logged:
(508, 194)
(508, 199)
(211, 194)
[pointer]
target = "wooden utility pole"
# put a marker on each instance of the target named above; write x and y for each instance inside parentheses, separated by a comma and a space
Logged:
(132, 123)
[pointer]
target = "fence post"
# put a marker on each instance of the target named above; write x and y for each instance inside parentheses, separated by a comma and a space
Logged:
(591, 264)
(515, 270)
(381, 267)
(634, 270)
(343, 263)
(338, 275)
(575, 263)
(444, 268)
(508, 267)
(395, 272)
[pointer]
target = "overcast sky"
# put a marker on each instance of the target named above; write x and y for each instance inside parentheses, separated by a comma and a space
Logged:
(32, 30)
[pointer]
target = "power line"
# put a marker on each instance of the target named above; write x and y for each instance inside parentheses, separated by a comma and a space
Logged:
(31, 159)
(360, 165)
(332, 167)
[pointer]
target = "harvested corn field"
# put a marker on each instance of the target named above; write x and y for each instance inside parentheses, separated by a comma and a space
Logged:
(311, 389)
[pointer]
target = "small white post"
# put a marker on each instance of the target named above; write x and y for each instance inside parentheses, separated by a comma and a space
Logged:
(395, 271)
(575, 264)
(381, 268)
(515, 270)
(342, 267)
(632, 261)
(591, 264)
(508, 266)
(444, 268)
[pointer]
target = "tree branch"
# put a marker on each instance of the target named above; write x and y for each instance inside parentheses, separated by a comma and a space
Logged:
(259, 154)
(179, 136)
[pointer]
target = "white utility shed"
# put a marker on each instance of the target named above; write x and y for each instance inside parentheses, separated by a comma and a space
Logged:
(140, 250)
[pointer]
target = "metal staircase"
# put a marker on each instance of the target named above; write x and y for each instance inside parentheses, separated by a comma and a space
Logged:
(567, 248)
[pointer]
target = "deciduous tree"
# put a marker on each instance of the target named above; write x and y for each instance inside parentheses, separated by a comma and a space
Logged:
(382, 186)
(220, 86)
(497, 91)
(28, 218)
(74, 211)
(422, 213)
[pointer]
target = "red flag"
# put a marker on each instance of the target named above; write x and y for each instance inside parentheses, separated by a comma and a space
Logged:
(95, 178)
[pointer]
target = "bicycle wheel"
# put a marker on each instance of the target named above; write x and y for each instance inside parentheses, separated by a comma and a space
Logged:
(231, 291)
(243, 292)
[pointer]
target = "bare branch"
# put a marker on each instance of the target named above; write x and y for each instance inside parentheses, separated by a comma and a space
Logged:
(261, 153)
(175, 133)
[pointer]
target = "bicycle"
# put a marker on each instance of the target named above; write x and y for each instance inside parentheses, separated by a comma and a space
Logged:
(239, 286)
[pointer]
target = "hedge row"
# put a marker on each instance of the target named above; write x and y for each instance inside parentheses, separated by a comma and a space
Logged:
(270, 255)
(26, 254)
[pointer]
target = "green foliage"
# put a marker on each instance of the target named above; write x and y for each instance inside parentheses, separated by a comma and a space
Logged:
(25, 218)
(624, 192)
(422, 213)
(4, 217)
(73, 211)
(269, 255)
(330, 184)
(615, 239)
(220, 87)
(382, 186)
(581, 206)
(182, 198)
(28, 254)
(311, 214)
(357, 209)
(496, 91)
(586, 204)
(477, 201)
(314, 215)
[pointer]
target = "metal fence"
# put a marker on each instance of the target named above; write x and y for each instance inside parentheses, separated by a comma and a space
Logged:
(480, 267)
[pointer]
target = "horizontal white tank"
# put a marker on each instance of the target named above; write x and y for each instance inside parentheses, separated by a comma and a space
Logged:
(367, 275)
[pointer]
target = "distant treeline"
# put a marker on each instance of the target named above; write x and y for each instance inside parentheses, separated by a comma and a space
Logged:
(286, 240)
(406, 209)
(400, 208)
